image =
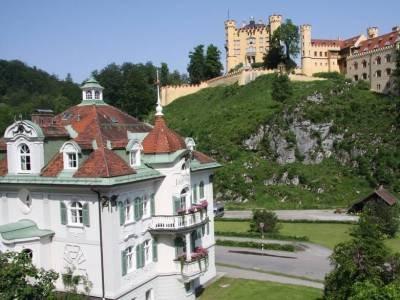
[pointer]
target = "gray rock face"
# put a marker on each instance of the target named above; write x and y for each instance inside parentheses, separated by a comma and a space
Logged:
(285, 152)
(316, 97)
(253, 142)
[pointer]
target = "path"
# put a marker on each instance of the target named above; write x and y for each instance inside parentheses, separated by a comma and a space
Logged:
(309, 214)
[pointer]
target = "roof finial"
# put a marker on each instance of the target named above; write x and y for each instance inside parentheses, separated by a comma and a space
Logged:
(159, 107)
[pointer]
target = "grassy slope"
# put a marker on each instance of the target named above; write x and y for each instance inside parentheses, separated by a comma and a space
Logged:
(232, 289)
(219, 119)
(326, 234)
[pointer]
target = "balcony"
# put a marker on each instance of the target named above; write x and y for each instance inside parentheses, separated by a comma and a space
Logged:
(194, 268)
(181, 223)
(250, 51)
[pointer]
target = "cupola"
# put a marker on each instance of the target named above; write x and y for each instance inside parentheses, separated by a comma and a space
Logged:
(92, 90)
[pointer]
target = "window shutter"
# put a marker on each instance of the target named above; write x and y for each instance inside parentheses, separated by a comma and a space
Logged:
(121, 213)
(142, 254)
(63, 213)
(141, 204)
(155, 248)
(138, 256)
(152, 205)
(85, 214)
(137, 212)
(201, 187)
(195, 193)
(177, 204)
(123, 263)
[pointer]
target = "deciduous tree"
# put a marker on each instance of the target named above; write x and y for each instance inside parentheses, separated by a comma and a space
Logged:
(213, 65)
(196, 67)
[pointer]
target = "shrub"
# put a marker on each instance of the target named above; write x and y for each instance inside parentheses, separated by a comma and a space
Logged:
(329, 75)
(257, 65)
(269, 219)
(384, 216)
(267, 246)
(281, 88)
(363, 85)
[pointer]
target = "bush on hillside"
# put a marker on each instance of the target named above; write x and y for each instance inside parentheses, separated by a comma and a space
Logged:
(269, 219)
(363, 85)
(257, 65)
(281, 88)
(384, 216)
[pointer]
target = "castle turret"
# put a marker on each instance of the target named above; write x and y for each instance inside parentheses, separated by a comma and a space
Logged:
(305, 36)
(230, 29)
(372, 32)
(274, 22)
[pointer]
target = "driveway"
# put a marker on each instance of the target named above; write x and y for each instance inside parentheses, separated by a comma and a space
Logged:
(312, 263)
(308, 214)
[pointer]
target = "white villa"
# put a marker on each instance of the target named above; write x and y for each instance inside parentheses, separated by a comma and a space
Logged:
(95, 191)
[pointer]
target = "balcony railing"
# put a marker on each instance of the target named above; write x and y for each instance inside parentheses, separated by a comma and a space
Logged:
(178, 222)
(192, 269)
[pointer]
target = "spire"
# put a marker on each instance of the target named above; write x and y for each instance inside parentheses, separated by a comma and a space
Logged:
(159, 107)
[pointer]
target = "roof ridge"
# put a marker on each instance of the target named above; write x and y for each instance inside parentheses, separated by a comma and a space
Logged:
(101, 142)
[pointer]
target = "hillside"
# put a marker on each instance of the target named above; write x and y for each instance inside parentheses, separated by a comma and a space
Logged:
(326, 147)
(24, 88)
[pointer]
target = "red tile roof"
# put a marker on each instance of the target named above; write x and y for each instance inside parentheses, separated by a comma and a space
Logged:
(381, 41)
(202, 158)
(54, 166)
(104, 163)
(3, 167)
(161, 139)
(3, 145)
(320, 42)
(350, 42)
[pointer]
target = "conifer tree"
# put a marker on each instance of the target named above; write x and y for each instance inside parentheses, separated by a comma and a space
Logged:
(196, 65)
(213, 65)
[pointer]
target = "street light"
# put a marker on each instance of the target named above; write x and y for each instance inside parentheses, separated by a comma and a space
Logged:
(262, 235)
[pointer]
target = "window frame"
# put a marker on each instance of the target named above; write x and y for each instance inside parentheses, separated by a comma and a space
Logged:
(27, 161)
(147, 250)
(88, 95)
(130, 259)
(78, 211)
(128, 211)
(202, 194)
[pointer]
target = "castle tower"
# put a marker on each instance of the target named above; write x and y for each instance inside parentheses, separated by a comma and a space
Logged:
(306, 60)
(372, 32)
(230, 30)
(274, 22)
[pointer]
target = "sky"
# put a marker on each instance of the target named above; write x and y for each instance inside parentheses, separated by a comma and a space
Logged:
(79, 36)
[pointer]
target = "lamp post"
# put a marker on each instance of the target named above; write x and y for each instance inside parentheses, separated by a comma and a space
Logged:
(262, 235)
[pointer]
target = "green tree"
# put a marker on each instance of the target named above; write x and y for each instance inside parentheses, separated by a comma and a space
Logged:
(288, 35)
(196, 67)
(274, 57)
(396, 73)
(363, 259)
(20, 279)
(213, 66)
(164, 74)
(384, 216)
(281, 88)
(268, 218)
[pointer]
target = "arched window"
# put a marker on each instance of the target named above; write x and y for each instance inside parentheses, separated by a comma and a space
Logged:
(134, 158)
(355, 65)
(184, 193)
(364, 63)
(388, 58)
(88, 95)
(128, 210)
(201, 190)
(28, 252)
(138, 208)
(25, 157)
(129, 252)
(378, 60)
(76, 213)
(96, 95)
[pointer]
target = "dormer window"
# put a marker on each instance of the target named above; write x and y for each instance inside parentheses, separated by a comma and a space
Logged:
(88, 95)
(25, 158)
(70, 152)
(97, 95)
(134, 149)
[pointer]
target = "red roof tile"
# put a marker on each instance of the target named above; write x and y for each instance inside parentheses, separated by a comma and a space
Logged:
(381, 41)
(161, 139)
(104, 163)
(3, 145)
(326, 43)
(55, 166)
(202, 158)
(3, 167)
(350, 42)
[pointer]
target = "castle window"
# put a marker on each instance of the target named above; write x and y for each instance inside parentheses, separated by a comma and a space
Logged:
(88, 95)
(388, 58)
(315, 53)
(388, 71)
(72, 160)
(378, 60)
(378, 73)
(25, 157)
(364, 76)
(326, 54)
(356, 66)
(70, 152)
(378, 87)
(76, 212)
(355, 77)
(96, 95)
(320, 53)
(364, 64)
(147, 252)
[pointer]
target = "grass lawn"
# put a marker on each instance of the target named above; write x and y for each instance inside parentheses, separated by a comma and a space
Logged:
(326, 234)
(232, 289)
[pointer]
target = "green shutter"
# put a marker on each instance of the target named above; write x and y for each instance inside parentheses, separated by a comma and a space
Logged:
(121, 213)
(123, 263)
(201, 187)
(141, 206)
(63, 213)
(195, 193)
(142, 253)
(138, 263)
(85, 214)
(155, 249)
(137, 212)
(152, 205)
(177, 204)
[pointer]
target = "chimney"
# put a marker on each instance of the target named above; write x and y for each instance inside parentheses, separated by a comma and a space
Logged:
(372, 32)
(43, 117)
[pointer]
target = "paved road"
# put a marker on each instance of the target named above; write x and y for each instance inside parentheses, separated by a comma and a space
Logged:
(311, 263)
(309, 214)
(247, 274)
